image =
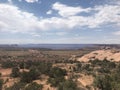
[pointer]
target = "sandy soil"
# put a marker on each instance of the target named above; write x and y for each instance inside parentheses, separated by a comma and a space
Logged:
(5, 72)
(86, 80)
(43, 81)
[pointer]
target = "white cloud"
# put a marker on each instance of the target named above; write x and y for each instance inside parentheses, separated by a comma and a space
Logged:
(49, 12)
(31, 1)
(107, 14)
(102, 15)
(13, 19)
(67, 11)
(116, 33)
(35, 34)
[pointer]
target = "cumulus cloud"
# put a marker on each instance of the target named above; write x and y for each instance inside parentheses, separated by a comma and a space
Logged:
(49, 12)
(35, 34)
(105, 15)
(67, 11)
(31, 1)
(13, 19)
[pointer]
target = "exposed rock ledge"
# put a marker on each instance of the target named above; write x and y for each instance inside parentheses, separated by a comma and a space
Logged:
(111, 55)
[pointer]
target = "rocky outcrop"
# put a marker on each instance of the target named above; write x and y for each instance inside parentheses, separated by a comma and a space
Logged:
(111, 55)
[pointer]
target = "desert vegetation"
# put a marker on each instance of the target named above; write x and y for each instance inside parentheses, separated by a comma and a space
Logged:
(56, 70)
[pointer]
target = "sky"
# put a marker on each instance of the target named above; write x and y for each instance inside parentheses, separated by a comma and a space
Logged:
(59, 21)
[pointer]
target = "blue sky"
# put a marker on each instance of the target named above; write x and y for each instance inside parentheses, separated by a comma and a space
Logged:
(60, 21)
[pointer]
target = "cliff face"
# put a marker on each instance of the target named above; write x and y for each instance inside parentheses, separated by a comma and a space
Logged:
(111, 55)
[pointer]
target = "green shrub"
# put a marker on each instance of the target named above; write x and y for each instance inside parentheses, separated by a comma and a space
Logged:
(34, 86)
(15, 72)
(103, 82)
(57, 72)
(28, 77)
(17, 86)
(68, 85)
(1, 84)
(56, 76)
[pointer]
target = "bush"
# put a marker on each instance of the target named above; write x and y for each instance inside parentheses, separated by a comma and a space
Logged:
(9, 64)
(87, 67)
(56, 76)
(57, 72)
(103, 82)
(78, 66)
(34, 86)
(56, 81)
(1, 84)
(0, 74)
(17, 86)
(28, 77)
(44, 68)
(104, 70)
(34, 73)
(68, 85)
(25, 77)
(15, 72)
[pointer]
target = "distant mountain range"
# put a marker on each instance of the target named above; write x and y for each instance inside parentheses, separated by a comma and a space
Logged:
(58, 46)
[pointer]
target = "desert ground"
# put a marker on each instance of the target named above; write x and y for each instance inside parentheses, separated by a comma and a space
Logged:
(55, 69)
